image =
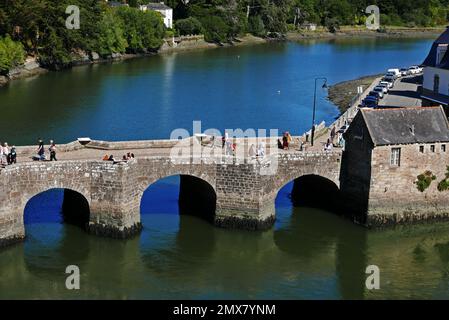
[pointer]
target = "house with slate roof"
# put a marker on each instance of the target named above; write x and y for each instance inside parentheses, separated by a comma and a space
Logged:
(163, 9)
(436, 72)
(386, 150)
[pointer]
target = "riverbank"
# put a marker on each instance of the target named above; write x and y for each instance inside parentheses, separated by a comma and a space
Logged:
(342, 94)
(190, 43)
(350, 32)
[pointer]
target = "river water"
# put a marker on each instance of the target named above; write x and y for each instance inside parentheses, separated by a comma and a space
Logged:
(308, 254)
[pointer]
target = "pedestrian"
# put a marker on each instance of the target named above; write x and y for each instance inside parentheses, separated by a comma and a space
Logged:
(13, 155)
(5, 152)
(285, 141)
(41, 150)
(252, 151)
(1, 155)
(52, 150)
(333, 133)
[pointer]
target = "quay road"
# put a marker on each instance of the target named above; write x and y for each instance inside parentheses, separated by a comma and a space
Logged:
(404, 93)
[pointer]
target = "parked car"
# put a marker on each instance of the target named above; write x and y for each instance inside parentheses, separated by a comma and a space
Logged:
(389, 78)
(394, 72)
(389, 85)
(391, 74)
(415, 70)
(405, 72)
(369, 104)
(377, 94)
(370, 98)
(382, 89)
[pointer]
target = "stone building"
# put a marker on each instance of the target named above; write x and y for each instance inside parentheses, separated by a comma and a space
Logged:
(393, 164)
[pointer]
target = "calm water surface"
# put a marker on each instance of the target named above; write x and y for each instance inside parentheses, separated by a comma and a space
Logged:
(308, 254)
(260, 87)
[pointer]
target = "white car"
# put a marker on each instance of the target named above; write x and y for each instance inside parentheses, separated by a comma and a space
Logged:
(381, 89)
(386, 83)
(395, 72)
(415, 70)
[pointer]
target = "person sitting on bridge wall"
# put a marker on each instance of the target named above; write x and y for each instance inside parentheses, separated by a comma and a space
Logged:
(12, 156)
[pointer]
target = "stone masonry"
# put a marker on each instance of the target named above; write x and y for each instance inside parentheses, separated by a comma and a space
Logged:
(245, 194)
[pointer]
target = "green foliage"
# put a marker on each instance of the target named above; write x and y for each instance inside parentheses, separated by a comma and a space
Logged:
(215, 29)
(189, 26)
(142, 30)
(111, 38)
(443, 185)
(256, 26)
(11, 54)
(424, 180)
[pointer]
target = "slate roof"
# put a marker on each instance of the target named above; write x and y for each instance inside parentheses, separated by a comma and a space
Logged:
(157, 6)
(431, 58)
(406, 125)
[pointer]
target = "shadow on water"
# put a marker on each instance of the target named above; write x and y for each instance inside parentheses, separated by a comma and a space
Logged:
(50, 247)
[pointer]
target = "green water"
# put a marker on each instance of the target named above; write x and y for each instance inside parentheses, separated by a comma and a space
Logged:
(309, 254)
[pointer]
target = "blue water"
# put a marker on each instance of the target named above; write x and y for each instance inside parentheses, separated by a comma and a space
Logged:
(267, 86)
(308, 254)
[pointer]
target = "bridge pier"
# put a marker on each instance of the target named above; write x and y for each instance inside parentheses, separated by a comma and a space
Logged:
(258, 216)
(114, 220)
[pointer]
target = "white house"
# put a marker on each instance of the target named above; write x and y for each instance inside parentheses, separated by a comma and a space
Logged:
(436, 72)
(164, 10)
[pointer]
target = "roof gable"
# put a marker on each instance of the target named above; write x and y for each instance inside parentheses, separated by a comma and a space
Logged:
(406, 125)
(430, 60)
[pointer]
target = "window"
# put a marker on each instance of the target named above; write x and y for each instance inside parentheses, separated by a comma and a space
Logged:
(421, 149)
(443, 148)
(395, 157)
(436, 83)
(432, 148)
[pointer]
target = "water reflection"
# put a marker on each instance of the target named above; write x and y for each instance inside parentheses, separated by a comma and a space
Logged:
(309, 254)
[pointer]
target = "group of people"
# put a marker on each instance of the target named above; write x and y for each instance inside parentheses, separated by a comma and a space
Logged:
(229, 147)
(41, 151)
(7, 156)
(257, 152)
(125, 157)
(286, 140)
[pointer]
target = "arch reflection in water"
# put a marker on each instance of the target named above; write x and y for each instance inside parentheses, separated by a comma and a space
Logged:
(177, 212)
(315, 235)
(49, 246)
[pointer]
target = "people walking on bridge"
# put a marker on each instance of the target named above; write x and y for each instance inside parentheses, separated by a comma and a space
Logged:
(5, 151)
(12, 156)
(40, 150)
(1, 155)
(332, 135)
(52, 150)
(285, 141)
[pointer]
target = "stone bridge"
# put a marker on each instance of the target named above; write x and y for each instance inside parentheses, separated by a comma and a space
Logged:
(237, 192)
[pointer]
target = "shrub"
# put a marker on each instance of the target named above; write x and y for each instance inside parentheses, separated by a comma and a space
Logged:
(215, 29)
(11, 54)
(444, 184)
(424, 180)
(189, 26)
(256, 26)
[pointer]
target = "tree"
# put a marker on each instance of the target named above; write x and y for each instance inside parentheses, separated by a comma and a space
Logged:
(111, 38)
(11, 54)
(189, 26)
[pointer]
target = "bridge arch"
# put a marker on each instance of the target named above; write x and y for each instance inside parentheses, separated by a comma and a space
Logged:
(74, 206)
(312, 190)
(197, 195)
